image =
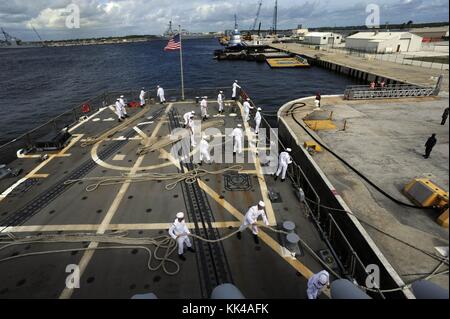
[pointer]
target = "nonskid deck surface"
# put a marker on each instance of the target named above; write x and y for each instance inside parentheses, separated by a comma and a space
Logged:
(43, 204)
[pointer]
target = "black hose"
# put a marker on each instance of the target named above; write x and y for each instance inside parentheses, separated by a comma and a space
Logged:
(379, 189)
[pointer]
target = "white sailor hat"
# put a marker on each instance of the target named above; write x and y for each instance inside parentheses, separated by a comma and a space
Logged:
(180, 215)
(259, 109)
(262, 204)
(117, 99)
(239, 125)
(220, 91)
(288, 150)
(122, 96)
(323, 278)
(248, 99)
(205, 97)
(192, 112)
(236, 81)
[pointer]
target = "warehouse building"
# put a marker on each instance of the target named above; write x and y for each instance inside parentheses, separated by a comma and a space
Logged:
(322, 38)
(384, 42)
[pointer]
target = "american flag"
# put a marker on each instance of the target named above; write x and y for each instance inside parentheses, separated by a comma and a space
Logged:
(174, 44)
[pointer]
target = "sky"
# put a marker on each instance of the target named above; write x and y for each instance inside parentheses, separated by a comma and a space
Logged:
(100, 18)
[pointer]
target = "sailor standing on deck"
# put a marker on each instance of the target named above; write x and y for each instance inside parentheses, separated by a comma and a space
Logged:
(119, 112)
(204, 108)
(204, 150)
(220, 102)
(180, 232)
(235, 87)
(258, 119)
(160, 94)
(187, 116)
(283, 163)
(124, 104)
(238, 135)
(192, 128)
(142, 97)
(247, 108)
(251, 218)
(317, 283)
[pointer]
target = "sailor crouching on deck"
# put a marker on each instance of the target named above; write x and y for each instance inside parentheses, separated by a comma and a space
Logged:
(317, 283)
(283, 163)
(179, 232)
(251, 218)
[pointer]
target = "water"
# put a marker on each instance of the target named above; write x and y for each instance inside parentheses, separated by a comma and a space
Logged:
(38, 84)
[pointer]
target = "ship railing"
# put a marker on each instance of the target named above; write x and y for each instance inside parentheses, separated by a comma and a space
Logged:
(346, 257)
(365, 92)
(73, 115)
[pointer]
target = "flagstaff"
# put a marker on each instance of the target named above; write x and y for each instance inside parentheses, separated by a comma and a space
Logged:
(181, 66)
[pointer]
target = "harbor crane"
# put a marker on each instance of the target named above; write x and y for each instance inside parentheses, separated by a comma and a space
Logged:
(257, 15)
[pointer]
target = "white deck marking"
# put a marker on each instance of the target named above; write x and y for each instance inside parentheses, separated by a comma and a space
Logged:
(87, 120)
(119, 157)
(87, 256)
(75, 139)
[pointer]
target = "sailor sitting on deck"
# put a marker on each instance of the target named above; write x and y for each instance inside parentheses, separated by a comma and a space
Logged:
(160, 94)
(283, 162)
(238, 135)
(317, 283)
(180, 232)
(251, 218)
(204, 107)
(247, 108)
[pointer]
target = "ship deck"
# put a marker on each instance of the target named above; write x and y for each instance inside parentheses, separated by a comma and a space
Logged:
(39, 203)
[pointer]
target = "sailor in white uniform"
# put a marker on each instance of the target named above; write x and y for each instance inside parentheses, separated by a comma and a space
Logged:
(258, 119)
(187, 116)
(160, 94)
(180, 232)
(283, 162)
(142, 97)
(124, 104)
(235, 87)
(220, 102)
(192, 130)
(247, 108)
(204, 107)
(119, 112)
(251, 218)
(317, 283)
(238, 135)
(204, 150)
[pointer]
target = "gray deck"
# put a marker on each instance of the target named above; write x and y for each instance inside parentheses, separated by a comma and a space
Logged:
(144, 210)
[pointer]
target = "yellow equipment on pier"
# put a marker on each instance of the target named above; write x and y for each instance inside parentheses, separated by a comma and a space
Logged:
(295, 62)
(425, 193)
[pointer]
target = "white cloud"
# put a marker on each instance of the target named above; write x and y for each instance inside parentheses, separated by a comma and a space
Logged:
(121, 17)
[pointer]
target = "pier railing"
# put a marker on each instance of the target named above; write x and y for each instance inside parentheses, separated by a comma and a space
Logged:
(89, 107)
(365, 92)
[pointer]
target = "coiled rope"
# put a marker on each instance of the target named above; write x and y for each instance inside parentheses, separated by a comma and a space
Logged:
(189, 177)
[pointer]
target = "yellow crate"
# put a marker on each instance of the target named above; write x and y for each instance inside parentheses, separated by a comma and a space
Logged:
(311, 144)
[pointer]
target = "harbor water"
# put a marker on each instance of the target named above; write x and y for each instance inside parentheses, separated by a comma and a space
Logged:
(40, 83)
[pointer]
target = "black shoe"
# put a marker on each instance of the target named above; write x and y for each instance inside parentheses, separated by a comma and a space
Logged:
(201, 163)
(127, 116)
(283, 180)
(182, 257)
(275, 177)
(239, 235)
(192, 250)
(119, 120)
(256, 239)
(234, 153)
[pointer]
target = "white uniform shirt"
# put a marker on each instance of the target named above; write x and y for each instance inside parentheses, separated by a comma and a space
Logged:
(237, 133)
(258, 117)
(142, 96)
(285, 158)
(220, 99)
(235, 87)
(178, 228)
(315, 286)
(247, 107)
(122, 101)
(160, 92)
(252, 215)
(187, 117)
(204, 146)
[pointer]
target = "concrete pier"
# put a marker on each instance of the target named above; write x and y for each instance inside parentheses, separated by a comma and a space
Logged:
(367, 70)
(384, 140)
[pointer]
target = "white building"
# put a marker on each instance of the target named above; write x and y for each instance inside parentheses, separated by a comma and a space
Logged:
(322, 38)
(384, 42)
